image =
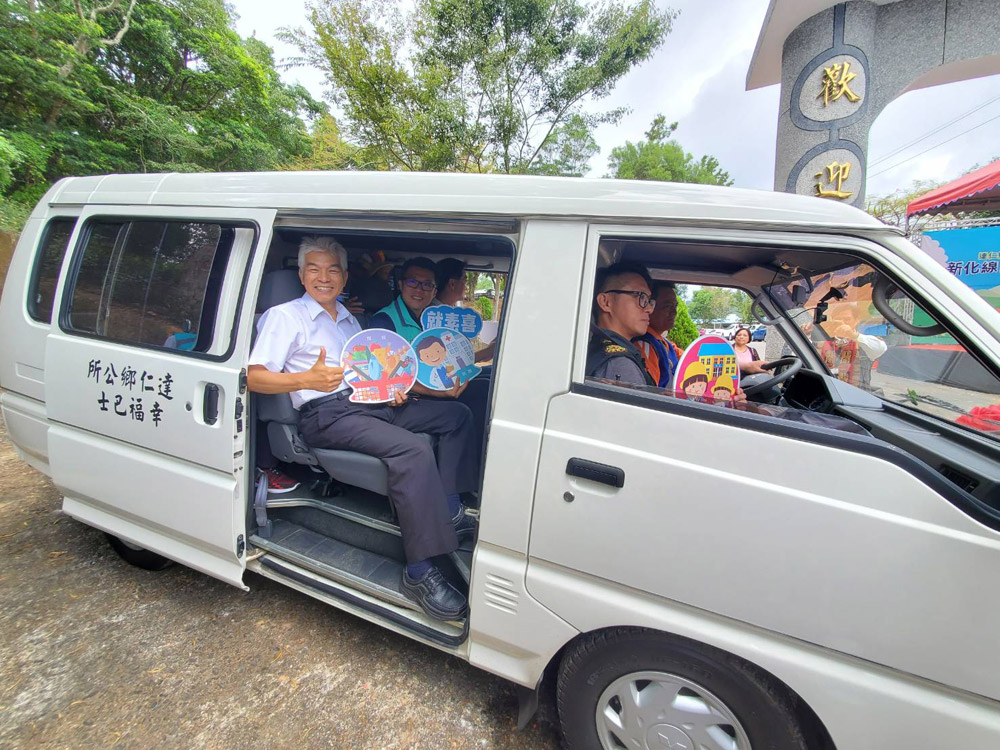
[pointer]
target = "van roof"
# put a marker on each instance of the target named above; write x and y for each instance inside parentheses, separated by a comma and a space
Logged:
(454, 194)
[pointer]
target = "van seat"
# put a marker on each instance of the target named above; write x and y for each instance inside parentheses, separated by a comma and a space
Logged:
(282, 419)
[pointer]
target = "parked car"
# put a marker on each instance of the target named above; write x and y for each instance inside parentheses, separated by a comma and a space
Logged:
(758, 332)
(723, 330)
(835, 594)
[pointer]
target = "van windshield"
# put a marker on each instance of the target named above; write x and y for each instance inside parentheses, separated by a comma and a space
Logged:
(933, 373)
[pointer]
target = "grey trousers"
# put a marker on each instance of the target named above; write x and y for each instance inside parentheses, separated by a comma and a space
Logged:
(418, 483)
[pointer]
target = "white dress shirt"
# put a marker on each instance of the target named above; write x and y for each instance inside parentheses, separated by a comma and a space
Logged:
(289, 337)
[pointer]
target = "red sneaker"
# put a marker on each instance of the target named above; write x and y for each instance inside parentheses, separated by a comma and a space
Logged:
(278, 483)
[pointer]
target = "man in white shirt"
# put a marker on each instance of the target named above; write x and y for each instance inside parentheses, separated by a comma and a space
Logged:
(298, 351)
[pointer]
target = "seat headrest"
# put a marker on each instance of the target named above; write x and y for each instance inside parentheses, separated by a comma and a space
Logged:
(373, 293)
(278, 287)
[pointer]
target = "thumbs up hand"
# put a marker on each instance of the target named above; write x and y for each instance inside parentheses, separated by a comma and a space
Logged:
(320, 377)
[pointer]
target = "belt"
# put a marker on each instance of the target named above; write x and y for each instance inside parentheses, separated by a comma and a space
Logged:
(308, 406)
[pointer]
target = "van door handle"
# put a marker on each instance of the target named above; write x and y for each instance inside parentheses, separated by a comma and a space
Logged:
(210, 406)
(595, 472)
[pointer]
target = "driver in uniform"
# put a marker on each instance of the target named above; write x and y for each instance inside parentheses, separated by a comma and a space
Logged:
(623, 304)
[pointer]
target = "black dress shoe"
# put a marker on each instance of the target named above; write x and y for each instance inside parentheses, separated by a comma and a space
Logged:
(465, 525)
(435, 595)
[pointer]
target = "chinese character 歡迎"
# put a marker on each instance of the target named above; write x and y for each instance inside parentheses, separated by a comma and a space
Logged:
(166, 382)
(94, 370)
(836, 83)
(834, 174)
(156, 413)
(135, 408)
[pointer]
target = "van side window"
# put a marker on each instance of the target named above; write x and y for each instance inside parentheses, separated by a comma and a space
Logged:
(42, 288)
(151, 282)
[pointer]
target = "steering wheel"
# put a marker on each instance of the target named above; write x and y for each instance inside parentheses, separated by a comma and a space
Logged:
(791, 364)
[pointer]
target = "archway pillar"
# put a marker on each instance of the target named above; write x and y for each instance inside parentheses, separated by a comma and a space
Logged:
(843, 66)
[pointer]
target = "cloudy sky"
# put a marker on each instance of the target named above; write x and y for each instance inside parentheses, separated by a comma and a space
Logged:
(698, 78)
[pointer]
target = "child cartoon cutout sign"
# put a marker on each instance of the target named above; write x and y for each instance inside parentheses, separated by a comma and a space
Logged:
(378, 364)
(445, 359)
(708, 371)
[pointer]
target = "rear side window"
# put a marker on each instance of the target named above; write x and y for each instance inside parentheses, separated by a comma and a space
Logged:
(41, 291)
(156, 283)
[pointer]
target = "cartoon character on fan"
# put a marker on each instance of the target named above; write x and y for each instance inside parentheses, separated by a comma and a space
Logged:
(432, 353)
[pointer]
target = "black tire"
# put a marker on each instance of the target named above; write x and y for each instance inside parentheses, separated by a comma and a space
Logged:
(141, 558)
(762, 706)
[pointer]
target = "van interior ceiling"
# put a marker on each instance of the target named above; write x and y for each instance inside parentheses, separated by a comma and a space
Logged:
(339, 523)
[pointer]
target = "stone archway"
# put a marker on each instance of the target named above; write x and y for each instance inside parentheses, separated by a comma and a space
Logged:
(841, 64)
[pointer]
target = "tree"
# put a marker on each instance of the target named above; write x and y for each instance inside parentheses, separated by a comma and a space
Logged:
(715, 303)
(94, 86)
(477, 85)
(684, 330)
(328, 151)
(660, 158)
(568, 151)
(891, 209)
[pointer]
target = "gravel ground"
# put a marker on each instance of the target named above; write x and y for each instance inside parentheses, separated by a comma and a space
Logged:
(96, 653)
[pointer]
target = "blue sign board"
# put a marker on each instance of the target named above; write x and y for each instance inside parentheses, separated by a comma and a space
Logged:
(972, 255)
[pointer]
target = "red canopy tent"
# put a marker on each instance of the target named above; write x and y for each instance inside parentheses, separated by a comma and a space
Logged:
(976, 191)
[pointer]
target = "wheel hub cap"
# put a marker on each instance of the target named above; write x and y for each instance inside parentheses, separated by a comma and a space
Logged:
(668, 737)
(661, 711)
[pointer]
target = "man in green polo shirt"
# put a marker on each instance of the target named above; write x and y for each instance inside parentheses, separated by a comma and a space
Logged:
(402, 315)
(416, 292)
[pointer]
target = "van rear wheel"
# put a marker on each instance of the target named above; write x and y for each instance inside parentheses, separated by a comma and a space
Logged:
(636, 688)
(134, 555)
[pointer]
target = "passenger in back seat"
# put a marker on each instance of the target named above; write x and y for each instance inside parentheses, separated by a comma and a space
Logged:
(298, 352)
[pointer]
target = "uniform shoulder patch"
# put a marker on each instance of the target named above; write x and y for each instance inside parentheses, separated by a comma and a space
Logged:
(612, 348)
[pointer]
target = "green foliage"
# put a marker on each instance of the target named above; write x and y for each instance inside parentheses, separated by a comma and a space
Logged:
(328, 151)
(98, 86)
(567, 151)
(485, 307)
(891, 209)
(684, 330)
(477, 85)
(660, 158)
(10, 157)
(13, 214)
(716, 303)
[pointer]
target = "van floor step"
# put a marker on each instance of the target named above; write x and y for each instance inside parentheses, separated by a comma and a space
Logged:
(371, 510)
(361, 507)
(379, 575)
(375, 574)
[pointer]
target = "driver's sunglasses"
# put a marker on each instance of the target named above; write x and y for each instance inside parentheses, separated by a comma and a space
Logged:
(427, 286)
(645, 301)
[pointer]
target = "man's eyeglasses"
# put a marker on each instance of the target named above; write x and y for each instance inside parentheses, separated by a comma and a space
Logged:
(427, 286)
(644, 300)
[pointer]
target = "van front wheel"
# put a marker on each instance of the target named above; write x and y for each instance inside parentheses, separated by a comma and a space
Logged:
(141, 558)
(636, 688)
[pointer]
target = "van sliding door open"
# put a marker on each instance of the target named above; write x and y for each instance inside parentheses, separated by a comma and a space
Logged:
(144, 379)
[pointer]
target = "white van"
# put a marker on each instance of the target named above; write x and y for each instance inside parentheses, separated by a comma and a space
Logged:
(813, 571)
